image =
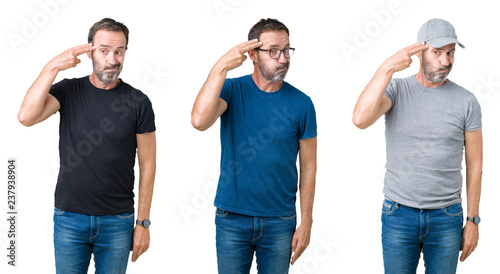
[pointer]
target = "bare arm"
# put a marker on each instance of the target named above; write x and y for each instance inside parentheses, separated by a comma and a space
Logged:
(307, 158)
(474, 171)
(208, 105)
(146, 153)
(38, 104)
(372, 102)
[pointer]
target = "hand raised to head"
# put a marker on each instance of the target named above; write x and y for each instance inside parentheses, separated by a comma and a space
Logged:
(69, 58)
(402, 59)
(236, 56)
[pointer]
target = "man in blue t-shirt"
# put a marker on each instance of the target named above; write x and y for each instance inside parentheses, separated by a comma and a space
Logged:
(265, 122)
(428, 121)
(103, 122)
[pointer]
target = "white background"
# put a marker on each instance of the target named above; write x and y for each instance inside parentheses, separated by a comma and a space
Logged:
(172, 47)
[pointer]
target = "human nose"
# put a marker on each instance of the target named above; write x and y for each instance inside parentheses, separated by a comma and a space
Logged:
(282, 58)
(445, 59)
(111, 58)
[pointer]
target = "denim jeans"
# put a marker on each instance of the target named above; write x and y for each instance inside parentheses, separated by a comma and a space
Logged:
(407, 231)
(239, 236)
(77, 236)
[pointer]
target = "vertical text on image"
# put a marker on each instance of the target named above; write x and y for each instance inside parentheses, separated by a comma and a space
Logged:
(11, 211)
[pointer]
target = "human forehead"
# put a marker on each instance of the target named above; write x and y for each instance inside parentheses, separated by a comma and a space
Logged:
(447, 48)
(277, 39)
(111, 39)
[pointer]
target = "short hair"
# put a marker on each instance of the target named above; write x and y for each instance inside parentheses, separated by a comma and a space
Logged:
(108, 24)
(265, 25)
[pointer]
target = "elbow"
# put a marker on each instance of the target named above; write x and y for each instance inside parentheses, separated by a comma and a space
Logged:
(21, 117)
(359, 122)
(197, 123)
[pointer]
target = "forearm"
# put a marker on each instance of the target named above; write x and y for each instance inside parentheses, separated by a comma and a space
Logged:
(307, 191)
(146, 186)
(473, 184)
(34, 100)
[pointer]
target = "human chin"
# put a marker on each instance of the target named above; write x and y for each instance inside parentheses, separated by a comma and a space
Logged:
(438, 77)
(107, 77)
(278, 75)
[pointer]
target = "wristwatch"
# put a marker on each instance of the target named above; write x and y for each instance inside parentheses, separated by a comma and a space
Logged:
(475, 219)
(146, 223)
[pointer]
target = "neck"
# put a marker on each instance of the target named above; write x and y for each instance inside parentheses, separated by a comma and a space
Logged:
(263, 84)
(99, 84)
(425, 82)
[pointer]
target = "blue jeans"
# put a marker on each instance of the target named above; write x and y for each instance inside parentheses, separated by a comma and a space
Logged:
(77, 236)
(407, 231)
(239, 236)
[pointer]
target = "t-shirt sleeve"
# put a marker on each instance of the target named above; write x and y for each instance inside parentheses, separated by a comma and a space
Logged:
(146, 117)
(225, 93)
(391, 90)
(308, 128)
(59, 91)
(473, 117)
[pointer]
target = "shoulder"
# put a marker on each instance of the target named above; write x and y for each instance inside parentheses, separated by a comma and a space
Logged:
(239, 81)
(130, 90)
(462, 93)
(458, 89)
(71, 82)
(399, 83)
(295, 93)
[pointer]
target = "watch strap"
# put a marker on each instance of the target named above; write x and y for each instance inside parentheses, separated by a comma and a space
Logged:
(476, 220)
(145, 223)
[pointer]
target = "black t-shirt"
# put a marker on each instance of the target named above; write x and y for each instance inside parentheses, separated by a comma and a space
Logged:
(98, 144)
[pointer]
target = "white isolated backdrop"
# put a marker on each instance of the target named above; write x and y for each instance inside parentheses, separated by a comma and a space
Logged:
(173, 45)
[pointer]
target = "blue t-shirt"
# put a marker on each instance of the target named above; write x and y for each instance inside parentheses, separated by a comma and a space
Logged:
(260, 135)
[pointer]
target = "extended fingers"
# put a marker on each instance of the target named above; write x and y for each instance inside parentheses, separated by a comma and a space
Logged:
(79, 50)
(416, 48)
(249, 45)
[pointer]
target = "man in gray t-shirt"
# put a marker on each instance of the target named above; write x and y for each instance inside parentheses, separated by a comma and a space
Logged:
(429, 120)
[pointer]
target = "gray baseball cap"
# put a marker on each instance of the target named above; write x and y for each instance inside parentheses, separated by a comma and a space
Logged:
(438, 33)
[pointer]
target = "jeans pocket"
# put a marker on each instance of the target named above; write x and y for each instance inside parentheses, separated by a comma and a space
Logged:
(125, 216)
(58, 211)
(453, 210)
(288, 217)
(388, 207)
(221, 213)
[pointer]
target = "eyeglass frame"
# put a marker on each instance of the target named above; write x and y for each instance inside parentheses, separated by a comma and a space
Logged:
(280, 51)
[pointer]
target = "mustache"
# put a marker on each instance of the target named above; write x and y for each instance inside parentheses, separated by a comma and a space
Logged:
(445, 67)
(113, 66)
(287, 65)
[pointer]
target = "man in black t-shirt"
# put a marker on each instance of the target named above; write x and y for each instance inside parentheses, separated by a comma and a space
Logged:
(103, 122)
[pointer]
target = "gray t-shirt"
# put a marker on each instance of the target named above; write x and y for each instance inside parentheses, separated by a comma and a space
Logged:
(424, 142)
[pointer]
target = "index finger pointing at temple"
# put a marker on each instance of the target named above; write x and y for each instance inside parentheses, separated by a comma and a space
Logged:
(249, 45)
(78, 50)
(416, 48)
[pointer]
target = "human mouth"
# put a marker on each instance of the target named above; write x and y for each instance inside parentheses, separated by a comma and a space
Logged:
(112, 68)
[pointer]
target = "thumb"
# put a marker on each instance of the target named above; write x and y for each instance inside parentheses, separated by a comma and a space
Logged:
(294, 244)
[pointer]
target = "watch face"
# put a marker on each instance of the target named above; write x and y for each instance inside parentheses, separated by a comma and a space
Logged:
(146, 223)
(477, 220)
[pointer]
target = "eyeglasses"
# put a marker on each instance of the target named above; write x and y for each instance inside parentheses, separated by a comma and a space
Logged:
(276, 53)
